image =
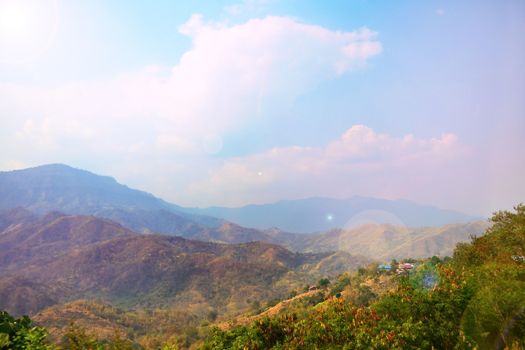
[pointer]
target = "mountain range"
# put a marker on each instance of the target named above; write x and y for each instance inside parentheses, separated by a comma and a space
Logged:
(323, 214)
(78, 246)
(65, 257)
(380, 229)
(58, 187)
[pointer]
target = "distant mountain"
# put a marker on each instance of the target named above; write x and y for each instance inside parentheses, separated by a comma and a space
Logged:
(34, 192)
(58, 187)
(15, 216)
(64, 257)
(62, 188)
(383, 242)
(323, 214)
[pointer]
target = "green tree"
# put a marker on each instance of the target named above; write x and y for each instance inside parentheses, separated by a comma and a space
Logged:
(20, 333)
(323, 283)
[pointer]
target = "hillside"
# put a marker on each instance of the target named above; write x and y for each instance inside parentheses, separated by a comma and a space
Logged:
(472, 301)
(384, 242)
(150, 328)
(71, 257)
(78, 192)
(323, 214)
(62, 188)
(38, 241)
(58, 187)
(15, 216)
(160, 270)
(21, 296)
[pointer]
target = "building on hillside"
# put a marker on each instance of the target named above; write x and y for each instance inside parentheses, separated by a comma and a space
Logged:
(385, 267)
(405, 266)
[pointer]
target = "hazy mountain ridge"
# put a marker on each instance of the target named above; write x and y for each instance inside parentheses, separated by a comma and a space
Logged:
(61, 188)
(322, 214)
(58, 187)
(384, 242)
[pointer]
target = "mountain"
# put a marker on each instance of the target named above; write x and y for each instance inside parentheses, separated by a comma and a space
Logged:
(29, 242)
(162, 270)
(383, 242)
(61, 188)
(78, 192)
(65, 257)
(36, 242)
(58, 187)
(323, 214)
(15, 216)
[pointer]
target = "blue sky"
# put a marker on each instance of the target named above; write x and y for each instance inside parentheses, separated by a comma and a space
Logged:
(229, 103)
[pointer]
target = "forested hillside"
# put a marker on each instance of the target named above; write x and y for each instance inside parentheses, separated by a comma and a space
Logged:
(473, 300)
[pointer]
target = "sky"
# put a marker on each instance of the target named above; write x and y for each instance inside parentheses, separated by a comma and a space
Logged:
(228, 103)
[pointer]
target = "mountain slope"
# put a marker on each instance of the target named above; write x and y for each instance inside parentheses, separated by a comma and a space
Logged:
(64, 189)
(64, 257)
(15, 216)
(384, 242)
(322, 214)
(19, 296)
(58, 187)
(39, 241)
(165, 270)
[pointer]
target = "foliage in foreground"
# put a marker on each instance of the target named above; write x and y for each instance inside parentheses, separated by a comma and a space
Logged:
(476, 300)
(20, 333)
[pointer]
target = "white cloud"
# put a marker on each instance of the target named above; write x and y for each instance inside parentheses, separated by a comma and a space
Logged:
(230, 77)
(362, 161)
(169, 120)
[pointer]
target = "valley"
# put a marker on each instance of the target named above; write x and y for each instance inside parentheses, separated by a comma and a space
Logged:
(106, 261)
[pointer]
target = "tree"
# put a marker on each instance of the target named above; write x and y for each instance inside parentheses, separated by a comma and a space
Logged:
(323, 282)
(20, 333)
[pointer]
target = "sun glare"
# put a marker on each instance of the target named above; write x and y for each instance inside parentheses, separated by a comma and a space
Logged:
(15, 21)
(27, 29)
